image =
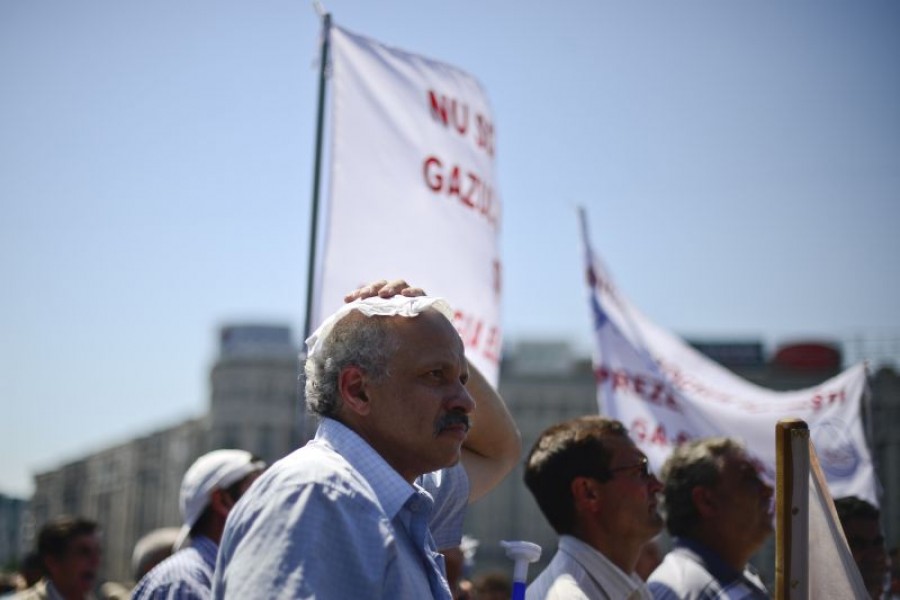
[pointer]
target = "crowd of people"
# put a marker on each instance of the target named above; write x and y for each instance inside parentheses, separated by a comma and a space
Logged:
(410, 433)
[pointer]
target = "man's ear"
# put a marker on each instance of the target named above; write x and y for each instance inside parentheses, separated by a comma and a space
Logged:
(352, 388)
(51, 565)
(586, 493)
(704, 501)
(221, 502)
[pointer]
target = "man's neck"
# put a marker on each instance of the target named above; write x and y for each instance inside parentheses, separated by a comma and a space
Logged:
(622, 553)
(213, 532)
(54, 592)
(729, 552)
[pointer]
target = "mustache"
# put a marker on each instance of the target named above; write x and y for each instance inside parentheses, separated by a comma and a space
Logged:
(451, 419)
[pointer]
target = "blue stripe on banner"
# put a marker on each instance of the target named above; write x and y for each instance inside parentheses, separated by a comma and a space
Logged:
(600, 318)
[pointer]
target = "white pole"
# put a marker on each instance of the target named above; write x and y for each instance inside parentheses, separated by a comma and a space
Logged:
(523, 553)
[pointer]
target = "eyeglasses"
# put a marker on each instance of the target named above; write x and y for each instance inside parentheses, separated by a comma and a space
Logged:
(644, 466)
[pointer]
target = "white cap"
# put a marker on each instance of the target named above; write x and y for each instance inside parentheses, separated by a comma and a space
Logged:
(157, 542)
(214, 470)
(396, 306)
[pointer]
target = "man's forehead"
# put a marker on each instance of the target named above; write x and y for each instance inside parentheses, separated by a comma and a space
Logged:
(737, 459)
(375, 307)
(737, 468)
(621, 445)
(429, 323)
(86, 539)
(862, 522)
(83, 544)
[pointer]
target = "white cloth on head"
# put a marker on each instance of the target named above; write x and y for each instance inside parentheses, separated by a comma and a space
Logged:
(396, 306)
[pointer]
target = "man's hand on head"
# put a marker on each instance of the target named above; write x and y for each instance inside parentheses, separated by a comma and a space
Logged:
(384, 289)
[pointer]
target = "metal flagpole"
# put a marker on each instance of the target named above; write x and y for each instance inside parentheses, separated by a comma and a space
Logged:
(317, 175)
(300, 420)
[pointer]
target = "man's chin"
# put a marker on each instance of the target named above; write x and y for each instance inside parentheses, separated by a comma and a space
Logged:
(444, 461)
(452, 460)
(87, 584)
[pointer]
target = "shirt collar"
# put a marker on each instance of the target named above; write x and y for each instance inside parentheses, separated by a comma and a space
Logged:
(608, 576)
(52, 592)
(711, 561)
(206, 548)
(391, 489)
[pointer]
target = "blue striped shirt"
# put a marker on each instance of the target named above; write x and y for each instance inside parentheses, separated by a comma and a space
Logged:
(186, 575)
(334, 521)
(691, 571)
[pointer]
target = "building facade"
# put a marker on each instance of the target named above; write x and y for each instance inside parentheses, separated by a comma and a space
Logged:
(253, 405)
(129, 489)
(12, 518)
(133, 488)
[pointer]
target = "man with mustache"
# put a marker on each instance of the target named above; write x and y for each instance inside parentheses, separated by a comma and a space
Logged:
(719, 512)
(596, 489)
(362, 510)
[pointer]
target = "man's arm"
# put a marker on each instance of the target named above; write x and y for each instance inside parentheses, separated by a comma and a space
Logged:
(493, 446)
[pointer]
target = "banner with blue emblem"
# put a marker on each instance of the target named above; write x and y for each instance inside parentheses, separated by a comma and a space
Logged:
(665, 392)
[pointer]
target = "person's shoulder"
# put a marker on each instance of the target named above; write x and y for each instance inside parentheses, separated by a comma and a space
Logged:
(36, 592)
(556, 578)
(661, 591)
(173, 590)
(676, 576)
(308, 486)
(555, 586)
(313, 463)
(184, 570)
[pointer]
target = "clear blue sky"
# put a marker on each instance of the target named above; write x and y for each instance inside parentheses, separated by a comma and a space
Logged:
(740, 162)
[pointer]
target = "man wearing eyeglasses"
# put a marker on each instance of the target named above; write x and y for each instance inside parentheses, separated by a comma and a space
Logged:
(720, 513)
(595, 488)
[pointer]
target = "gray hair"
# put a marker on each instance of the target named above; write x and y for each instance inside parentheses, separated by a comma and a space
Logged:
(698, 462)
(356, 340)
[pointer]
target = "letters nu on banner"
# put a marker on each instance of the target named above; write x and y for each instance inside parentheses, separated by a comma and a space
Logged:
(412, 188)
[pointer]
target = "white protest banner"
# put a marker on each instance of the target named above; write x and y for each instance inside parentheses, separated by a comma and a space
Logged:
(812, 558)
(832, 571)
(412, 192)
(666, 392)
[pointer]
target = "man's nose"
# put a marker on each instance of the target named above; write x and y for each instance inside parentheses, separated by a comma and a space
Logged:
(461, 400)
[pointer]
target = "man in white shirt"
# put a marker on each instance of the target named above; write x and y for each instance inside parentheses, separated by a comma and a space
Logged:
(595, 488)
